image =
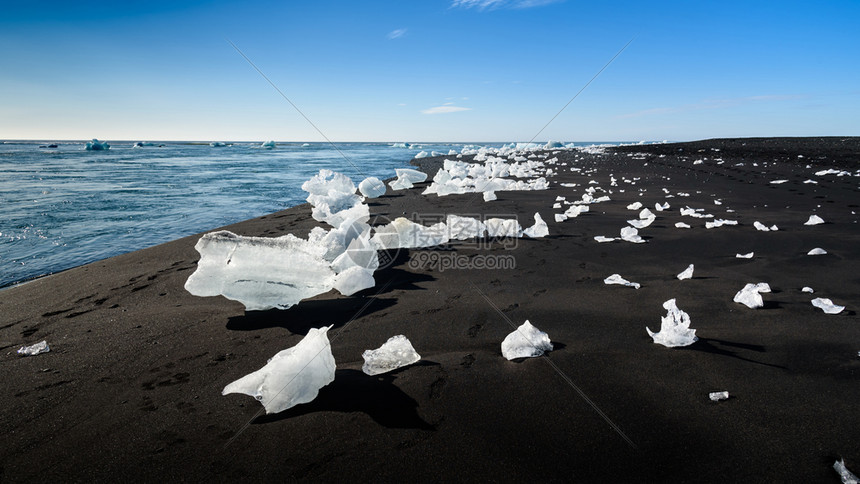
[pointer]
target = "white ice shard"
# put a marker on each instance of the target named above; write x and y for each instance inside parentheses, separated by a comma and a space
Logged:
(333, 198)
(847, 476)
(526, 341)
(96, 145)
(371, 187)
(630, 234)
(682, 225)
(268, 145)
(576, 210)
(778, 182)
(406, 178)
(827, 305)
(352, 280)
(603, 238)
(538, 230)
(395, 353)
(503, 227)
(748, 255)
(814, 220)
(464, 228)
(807, 289)
(719, 223)
(687, 273)
(646, 218)
(660, 208)
(634, 206)
(293, 376)
(403, 233)
(817, 251)
(489, 196)
(559, 217)
(617, 279)
(261, 273)
(717, 396)
(760, 226)
(674, 328)
(750, 295)
(32, 350)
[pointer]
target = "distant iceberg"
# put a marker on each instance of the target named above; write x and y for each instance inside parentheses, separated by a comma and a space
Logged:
(268, 145)
(96, 145)
(217, 144)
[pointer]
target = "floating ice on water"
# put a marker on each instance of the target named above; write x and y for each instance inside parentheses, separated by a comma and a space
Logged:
(407, 177)
(847, 476)
(96, 145)
(261, 273)
(634, 206)
(630, 234)
(268, 145)
(538, 230)
(371, 187)
(748, 255)
(32, 350)
(214, 144)
(814, 220)
(674, 328)
(463, 228)
(827, 305)
(719, 223)
(681, 225)
(524, 342)
(402, 233)
(503, 227)
(717, 396)
(807, 289)
(395, 353)
(687, 273)
(750, 295)
(617, 279)
(602, 238)
(817, 251)
(293, 376)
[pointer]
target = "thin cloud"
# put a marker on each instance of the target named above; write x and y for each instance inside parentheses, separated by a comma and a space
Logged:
(445, 109)
(396, 34)
(496, 4)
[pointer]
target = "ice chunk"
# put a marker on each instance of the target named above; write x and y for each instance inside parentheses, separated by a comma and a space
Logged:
(576, 210)
(463, 228)
(807, 289)
(32, 350)
(827, 305)
(634, 206)
(760, 226)
(674, 328)
(630, 234)
(402, 233)
(538, 230)
(847, 476)
(814, 220)
(717, 396)
(817, 251)
(750, 295)
(261, 273)
(293, 376)
(490, 196)
(646, 218)
(687, 273)
(560, 217)
(617, 279)
(603, 238)
(526, 341)
(719, 223)
(395, 353)
(371, 187)
(406, 178)
(353, 279)
(748, 255)
(96, 145)
(502, 227)
(778, 182)
(268, 145)
(681, 225)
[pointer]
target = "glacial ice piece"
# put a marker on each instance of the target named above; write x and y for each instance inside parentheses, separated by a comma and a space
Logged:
(827, 305)
(538, 230)
(293, 376)
(674, 328)
(602, 238)
(395, 353)
(750, 295)
(760, 226)
(847, 476)
(634, 206)
(96, 145)
(817, 251)
(215, 144)
(778, 182)
(32, 350)
(406, 178)
(489, 196)
(503, 227)
(687, 273)
(525, 342)
(748, 255)
(630, 234)
(333, 198)
(353, 279)
(402, 233)
(646, 218)
(559, 217)
(717, 396)
(576, 210)
(371, 187)
(814, 220)
(807, 289)
(682, 225)
(268, 144)
(261, 273)
(719, 223)
(463, 228)
(617, 279)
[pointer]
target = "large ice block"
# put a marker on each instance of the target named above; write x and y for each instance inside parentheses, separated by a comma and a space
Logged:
(674, 328)
(395, 353)
(526, 341)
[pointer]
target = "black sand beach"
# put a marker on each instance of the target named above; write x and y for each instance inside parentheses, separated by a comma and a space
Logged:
(131, 390)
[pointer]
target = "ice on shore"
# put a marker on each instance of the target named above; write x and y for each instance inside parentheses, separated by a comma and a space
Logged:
(371, 187)
(817, 251)
(526, 341)
(602, 238)
(352, 280)
(490, 196)
(464, 228)
(36, 349)
(634, 206)
(268, 144)
(827, 305)
(406, 178)
(847, 476)
(687, 273)
(682, 225)
(748, 255)
(261, 273)
(719, 223)
(333, 198)
(575, 210)
(646, 218)
(96, 145)
(778, 182)
(617, 279)
(393, 354)
(750, 295)
(630, 234)
(675, 328)
(403, 233)
(814, 220)
(807, 289)
(717, 396)
(538, 230)
(763, 228)
(503, 227)
(293, 376)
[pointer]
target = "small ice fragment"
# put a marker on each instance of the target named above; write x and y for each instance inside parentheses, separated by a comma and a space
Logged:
(817, 251)
(575, 210)
(847, 476)
(814, 220)
(630, 234)
(526, 341)
(538, 230)
(560, 217)
(634, 206)
(827, 305)
(760, 226)
(503, 227)
(750, 295)
(293, 376)
(371, 187)
(603, 238)
(406, 177)
(717, 396)
(32, 350)
(777, 182)
(395, 353)
(490, 196)
(774, 228)
(674, 328)
(353, 280)
(617, 279)
(807, 289)
(745, 256)
(463, 228)
(686, 274)
(719, 223)
(681, 225)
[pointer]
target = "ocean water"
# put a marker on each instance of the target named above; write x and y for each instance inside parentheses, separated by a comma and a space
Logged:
(63, 207)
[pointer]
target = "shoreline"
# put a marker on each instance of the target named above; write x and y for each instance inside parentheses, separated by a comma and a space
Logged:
(131, 388)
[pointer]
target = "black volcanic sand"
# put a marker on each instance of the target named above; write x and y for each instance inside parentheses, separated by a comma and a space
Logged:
(131, 390)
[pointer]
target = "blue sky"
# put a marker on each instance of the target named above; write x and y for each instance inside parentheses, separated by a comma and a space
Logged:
(446, 70)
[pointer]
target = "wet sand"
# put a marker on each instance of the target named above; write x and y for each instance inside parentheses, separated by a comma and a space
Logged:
(131, 390)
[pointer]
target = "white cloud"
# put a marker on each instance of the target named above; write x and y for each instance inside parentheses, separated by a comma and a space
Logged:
(394, 34)
(494, 4)
(444, 109)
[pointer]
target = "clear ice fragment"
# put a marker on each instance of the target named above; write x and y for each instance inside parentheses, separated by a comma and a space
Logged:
(617, 279)
(750, 295)
(630, 234)
(395, 353)
(748, 255)
(847, 476)
(827, 305)
(687, 273)
(503, 227)
(538, 230)
(817, 251)
(371, 187)
(807, 289)
(32, 350)
(717, 396)
(814, 220)
(526, 341)
(674, 328)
